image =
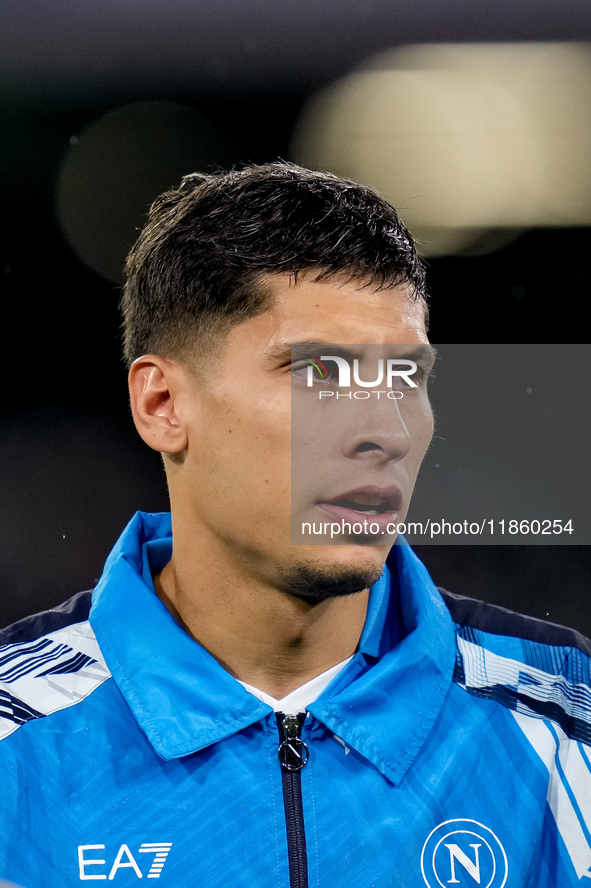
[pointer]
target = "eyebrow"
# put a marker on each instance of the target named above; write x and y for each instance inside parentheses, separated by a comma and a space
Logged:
(423, 354)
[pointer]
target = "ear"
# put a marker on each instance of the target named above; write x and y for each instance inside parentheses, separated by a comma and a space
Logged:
(155, 387)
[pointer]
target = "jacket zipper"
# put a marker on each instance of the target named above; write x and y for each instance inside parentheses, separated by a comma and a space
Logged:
(293, 755)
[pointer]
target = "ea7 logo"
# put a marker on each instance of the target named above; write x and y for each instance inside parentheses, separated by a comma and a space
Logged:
(463, 853)
(124, 859)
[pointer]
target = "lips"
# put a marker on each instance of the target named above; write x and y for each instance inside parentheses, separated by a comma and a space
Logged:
(378, 506)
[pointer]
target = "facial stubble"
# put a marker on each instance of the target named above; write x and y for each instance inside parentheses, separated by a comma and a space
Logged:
(314, 584)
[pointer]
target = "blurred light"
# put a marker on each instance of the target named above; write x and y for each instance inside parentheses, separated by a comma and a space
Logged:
(471, 142)
(120, 164)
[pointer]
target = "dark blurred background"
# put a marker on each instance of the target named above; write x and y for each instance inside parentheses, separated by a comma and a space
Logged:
(473, 118)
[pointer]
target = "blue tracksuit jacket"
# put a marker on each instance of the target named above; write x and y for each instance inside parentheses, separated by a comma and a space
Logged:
(453, 750)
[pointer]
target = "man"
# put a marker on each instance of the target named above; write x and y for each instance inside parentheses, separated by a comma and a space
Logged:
(242, 708)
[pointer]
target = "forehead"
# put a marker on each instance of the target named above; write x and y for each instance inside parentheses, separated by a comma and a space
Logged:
(335, 310)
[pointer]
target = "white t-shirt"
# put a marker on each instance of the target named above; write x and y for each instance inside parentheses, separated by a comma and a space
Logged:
(297, 700)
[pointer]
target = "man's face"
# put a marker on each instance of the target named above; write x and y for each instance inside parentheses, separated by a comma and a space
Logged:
(237, 471)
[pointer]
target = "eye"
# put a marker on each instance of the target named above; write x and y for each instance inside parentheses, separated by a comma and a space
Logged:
(312, 367)
(418, 376)
(401, 382)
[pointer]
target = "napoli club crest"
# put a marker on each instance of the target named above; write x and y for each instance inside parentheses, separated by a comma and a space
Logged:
(463, 853)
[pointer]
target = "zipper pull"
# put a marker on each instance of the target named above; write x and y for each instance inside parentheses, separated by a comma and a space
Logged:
(293, 752)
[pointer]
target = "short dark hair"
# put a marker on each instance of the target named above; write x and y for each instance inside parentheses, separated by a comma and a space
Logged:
(196, 268)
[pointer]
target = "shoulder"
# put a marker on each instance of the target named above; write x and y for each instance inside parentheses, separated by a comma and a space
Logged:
(535, 668)
(540, 674)
(500, 621)
(48, 662)
(74, 610)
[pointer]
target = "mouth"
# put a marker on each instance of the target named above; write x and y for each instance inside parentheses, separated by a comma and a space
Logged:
(378, 506)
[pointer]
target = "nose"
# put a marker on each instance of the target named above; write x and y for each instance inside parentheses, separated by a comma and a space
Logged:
(375, 431)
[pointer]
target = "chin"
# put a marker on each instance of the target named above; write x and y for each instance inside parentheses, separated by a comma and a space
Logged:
(323, 572)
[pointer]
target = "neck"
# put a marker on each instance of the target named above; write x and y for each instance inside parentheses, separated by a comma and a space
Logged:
(262, 636)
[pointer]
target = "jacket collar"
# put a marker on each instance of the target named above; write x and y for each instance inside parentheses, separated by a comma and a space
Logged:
(383, 704)
(386, 711)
